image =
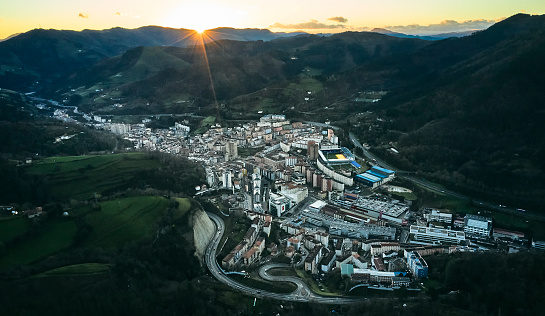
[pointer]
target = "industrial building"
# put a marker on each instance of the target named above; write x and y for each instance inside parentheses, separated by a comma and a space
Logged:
(436, 235)
(436, 216)
(476, 225)
(364, 208)
(340, 227)
(375, 177)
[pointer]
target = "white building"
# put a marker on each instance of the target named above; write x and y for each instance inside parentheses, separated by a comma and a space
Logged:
(436, 235)
(278, 204)
(436, 216)
(477, 225)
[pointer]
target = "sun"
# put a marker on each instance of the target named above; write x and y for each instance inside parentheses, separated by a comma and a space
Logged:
(202, 16)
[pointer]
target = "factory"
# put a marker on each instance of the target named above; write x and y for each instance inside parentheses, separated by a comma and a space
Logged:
(375, 177)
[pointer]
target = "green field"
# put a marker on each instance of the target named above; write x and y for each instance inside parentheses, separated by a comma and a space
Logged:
(12, 227)
(77, 269)
(247, 152)
(82, 176)
(320, 289)
(256, 282)
(183, 207)
(303, 86)
(123, 220)
(53, 237)
(205, 124)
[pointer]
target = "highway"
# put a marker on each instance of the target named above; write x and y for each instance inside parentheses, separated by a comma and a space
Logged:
(302, 294)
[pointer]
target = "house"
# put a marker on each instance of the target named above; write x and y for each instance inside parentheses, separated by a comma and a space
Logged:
(35, 212)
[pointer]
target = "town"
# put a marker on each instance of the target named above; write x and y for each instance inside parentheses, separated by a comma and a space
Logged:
(334, 209)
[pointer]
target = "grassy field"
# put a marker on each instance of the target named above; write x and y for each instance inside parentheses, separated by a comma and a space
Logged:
(12, 227)
(77, 269)
(314, 286)
(205, 124)
(82, 176)
(55, 236)
(407, 195)
(123, 220)
(304, 85)
(277, 287)
(247, 152)
(282, 272)
(183, 207)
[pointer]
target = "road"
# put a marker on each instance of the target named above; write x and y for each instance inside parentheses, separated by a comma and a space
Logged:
(302, 294)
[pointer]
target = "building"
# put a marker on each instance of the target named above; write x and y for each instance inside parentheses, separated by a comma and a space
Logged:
(375, 177)
(475, 225)
(231, 149)
(499, 233)
(227, 179)
(313, 259)
(328, 262)
(538, 244)
(417, 264)
(436, 235)
(436, 216)
(278, 204)
(312, 150)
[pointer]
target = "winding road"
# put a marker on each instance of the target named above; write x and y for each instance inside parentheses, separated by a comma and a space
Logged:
(301, 294)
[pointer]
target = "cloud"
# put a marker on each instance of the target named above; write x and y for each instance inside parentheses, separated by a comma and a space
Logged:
(83, 15)
(442, 27)
(339, 19)
(312, 24)
(126, 14)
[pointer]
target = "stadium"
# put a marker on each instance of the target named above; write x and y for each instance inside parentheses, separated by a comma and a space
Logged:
(338, 156)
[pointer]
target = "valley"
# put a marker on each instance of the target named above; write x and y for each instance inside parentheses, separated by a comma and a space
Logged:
(161, 170)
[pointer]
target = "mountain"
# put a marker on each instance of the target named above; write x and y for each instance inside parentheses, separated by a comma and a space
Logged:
(469, 110)
(11, 36)
(453, 34)
(401, 35)
(433, 37)
(47, 55)
(247, 34)
(165, 76)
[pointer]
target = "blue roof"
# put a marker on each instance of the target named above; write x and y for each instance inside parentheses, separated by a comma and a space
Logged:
(376, 174)
(366, 177)
(383, 170)
(355, 164)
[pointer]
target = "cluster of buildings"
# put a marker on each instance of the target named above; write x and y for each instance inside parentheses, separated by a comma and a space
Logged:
(249, 249)
(366, 262)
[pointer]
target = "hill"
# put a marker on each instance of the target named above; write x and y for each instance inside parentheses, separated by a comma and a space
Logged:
(468, 112)
(46, 55)
(167, 78)
(30, 132)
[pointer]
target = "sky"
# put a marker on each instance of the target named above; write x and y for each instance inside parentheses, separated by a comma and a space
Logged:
(422, 17)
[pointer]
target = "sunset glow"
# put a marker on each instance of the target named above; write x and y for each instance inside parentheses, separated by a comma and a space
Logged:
(418, 16)
(201, 16)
